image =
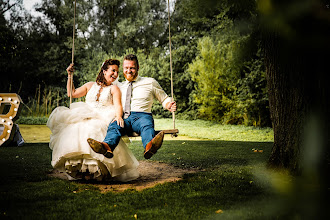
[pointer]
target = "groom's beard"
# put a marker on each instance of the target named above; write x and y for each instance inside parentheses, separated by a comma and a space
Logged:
(130, 76)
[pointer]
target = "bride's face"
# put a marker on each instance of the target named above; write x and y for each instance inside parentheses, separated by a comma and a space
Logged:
(111, 74)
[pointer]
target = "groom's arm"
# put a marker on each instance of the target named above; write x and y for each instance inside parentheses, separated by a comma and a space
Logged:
(162, 97)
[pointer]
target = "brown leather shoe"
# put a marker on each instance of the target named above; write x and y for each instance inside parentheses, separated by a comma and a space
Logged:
(100, 147)
(154, 145)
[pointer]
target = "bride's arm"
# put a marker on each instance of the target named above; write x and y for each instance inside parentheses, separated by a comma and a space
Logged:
(116, 94)
(81, 91)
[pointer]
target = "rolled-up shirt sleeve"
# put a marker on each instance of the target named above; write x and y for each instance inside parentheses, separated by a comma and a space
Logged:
(160, 94)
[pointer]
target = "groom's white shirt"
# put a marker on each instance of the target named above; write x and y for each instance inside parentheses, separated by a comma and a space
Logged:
(145, 90)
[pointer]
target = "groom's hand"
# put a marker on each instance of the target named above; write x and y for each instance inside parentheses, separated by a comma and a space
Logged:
(171, 106)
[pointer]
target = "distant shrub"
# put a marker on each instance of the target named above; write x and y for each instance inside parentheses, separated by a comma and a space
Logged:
(32, 120)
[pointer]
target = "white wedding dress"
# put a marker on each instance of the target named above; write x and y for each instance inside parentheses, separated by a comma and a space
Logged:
(70, 129)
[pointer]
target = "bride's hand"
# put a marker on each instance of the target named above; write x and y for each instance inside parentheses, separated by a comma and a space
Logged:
(70, 70)
(120, 121)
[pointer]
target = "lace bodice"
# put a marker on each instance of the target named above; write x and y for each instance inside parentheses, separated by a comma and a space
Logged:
(105, 98)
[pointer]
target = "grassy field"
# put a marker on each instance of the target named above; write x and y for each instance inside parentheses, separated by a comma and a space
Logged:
(197, 129)
(232, 182)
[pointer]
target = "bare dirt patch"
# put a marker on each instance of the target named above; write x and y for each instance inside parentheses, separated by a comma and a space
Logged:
(152, 173)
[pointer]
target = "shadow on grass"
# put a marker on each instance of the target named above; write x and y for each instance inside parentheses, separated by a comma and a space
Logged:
(225, 181)
(27, 163)
(208, 154)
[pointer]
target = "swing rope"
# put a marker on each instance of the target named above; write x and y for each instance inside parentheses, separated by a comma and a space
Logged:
(72, 61)
(170, 45)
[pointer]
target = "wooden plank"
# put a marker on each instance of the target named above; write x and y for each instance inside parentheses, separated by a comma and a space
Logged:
(170, 131)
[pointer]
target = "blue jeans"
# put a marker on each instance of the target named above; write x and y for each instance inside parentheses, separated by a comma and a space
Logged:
(139, 122)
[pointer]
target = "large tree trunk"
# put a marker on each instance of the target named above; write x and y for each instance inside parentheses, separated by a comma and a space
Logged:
(297, 55)
(287, 105)
(297, 72)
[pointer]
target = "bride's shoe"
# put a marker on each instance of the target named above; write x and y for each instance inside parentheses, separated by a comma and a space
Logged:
(100, 147)
(154, 145)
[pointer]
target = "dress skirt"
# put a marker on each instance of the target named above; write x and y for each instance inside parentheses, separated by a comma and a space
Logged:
(71, 127)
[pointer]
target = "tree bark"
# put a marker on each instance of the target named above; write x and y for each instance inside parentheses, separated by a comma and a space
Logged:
(296, 71)
(287, 104)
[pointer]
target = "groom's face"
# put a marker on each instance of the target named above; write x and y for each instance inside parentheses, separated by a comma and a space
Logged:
(130, 70)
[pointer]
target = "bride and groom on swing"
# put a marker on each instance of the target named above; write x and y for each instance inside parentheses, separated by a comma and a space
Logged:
(86, 140)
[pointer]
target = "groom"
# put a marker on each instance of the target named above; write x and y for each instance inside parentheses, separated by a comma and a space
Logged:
(138, 94)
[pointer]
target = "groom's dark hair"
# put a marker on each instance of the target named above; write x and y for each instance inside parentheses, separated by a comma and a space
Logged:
(132, 57)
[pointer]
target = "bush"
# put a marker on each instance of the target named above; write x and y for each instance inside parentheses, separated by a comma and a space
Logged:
(32, 120)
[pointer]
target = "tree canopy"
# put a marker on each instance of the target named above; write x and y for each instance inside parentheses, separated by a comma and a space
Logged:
(215, 68)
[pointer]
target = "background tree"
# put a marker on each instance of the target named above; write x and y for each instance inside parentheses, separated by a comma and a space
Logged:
(214, 71)
(226, 68)
(129, 24)
(10, 46)
(104, 29)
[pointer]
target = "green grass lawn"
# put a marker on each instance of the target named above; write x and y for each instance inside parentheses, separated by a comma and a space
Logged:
(197, 129)
(215, 131)
(232, 183)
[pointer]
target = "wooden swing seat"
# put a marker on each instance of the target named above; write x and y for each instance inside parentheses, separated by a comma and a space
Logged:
(173, 132)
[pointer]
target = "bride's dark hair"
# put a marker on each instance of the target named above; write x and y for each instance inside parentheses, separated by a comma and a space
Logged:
(105, 66)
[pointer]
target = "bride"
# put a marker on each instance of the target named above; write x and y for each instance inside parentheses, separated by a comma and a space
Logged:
(71, 127)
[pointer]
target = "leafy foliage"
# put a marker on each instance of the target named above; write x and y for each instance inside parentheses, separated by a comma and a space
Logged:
(215, 68)
(229, 73)
(213, 72)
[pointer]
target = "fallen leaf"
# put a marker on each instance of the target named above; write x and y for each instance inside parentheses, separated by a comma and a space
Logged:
(219, 211)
